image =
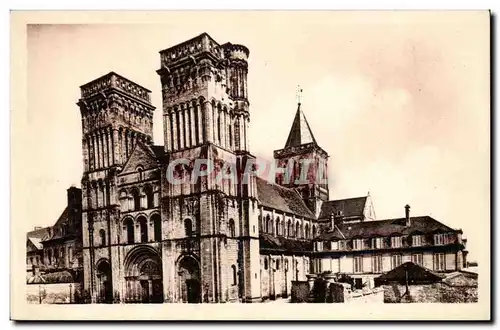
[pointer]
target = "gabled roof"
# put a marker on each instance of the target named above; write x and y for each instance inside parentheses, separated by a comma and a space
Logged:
(36, 243)
(410, 272)
(56, 229)
(283, 244)
(280, 198)
(350, 207)
(300, 133)
(384, 228)
(144, 154)
(40, 233)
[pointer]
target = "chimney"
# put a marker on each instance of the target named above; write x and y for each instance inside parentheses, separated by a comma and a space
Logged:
(407, 215)
(37, 227)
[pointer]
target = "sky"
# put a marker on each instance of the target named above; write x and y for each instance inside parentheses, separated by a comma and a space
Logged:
(400, 101)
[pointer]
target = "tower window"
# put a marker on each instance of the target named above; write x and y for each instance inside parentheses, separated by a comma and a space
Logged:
(232, 231)
(102, 236)
(143, 225)
(137, 199)
(235, 275)
(129, 226)
(188, 227)
(157, 227)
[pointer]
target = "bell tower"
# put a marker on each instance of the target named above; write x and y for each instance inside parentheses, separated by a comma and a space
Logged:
(116, 114)
(306, 163)
(206, 119)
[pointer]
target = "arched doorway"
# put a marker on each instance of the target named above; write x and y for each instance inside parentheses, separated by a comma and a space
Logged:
(104, 282)
(189, 285)
(143, 276)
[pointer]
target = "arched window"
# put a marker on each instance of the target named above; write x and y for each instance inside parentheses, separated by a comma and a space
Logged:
(129, 226)
(70, 253)
(265, 264)
(289, 228)
(235, 275)
(277, 226)
(268, 223)
(230, 135)
(306, 231)
(188, 227)
(277, 264)
(143, 226)
(218, 127)
(315, 231)
(102, 236)
(232, 231)
(156, 219)
(149, 197)
(137, 199)
(297, 229)
(140, 172)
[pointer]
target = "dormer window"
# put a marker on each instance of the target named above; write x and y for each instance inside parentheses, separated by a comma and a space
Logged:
(396, 241)
(377, 242)
(357, 244)
(440, 239)
(416, 240)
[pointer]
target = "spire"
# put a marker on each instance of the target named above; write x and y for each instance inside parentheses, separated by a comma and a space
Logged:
(300, 133)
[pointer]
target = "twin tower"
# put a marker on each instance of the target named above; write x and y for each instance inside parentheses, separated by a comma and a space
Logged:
(205, 116)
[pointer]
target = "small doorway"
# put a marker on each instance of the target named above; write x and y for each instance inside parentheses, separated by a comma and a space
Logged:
(193, 291)
(105, 288)
(189, 280)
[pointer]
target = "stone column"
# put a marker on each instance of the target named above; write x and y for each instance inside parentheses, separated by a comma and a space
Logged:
(199, 122)
(111, 154)
(208, 122)
(192, 123)
(175, 140)
(116, 147)
(181, 128)
(168, 132)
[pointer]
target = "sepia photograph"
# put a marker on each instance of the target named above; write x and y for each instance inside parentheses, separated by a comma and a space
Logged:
(267, 165)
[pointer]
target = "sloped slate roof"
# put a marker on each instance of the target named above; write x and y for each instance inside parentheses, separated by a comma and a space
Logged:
(280, 198)
(380, 228)
(61, 221)
(300, 133)
(350, 207)
(37, 242)
(409, 271)
(284, 244)
(39, 233)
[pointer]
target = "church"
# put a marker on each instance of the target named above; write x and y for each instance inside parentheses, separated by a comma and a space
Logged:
(149, 239)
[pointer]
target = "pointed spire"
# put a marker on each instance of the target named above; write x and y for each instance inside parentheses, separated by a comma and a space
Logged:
(300, 133)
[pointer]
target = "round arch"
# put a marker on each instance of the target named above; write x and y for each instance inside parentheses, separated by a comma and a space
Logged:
(143, 275)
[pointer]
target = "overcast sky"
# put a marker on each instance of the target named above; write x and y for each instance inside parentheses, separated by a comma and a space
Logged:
(399, 101)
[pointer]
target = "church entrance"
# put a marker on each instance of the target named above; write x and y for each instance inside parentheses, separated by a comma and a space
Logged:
(104, 284)
(143, 276)
(189, 284)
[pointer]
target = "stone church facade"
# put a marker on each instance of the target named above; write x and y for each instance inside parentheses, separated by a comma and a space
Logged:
(148, 239)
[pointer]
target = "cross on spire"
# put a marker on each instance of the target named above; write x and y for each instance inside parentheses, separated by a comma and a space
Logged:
(299, 94)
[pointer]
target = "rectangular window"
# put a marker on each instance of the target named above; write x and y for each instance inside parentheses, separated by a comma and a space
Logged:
(358, 264)
(396, 241)
(439, 239)
(377, 243)
(439, 261)
(335, 245)
(377, 264)
(417, 259)
(357, 244)
(327, 246)
(416, 240)
(395, 261)
(319, 246)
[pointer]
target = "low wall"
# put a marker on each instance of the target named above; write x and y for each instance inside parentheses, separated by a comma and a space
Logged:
(429, 293)
(57, 293)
